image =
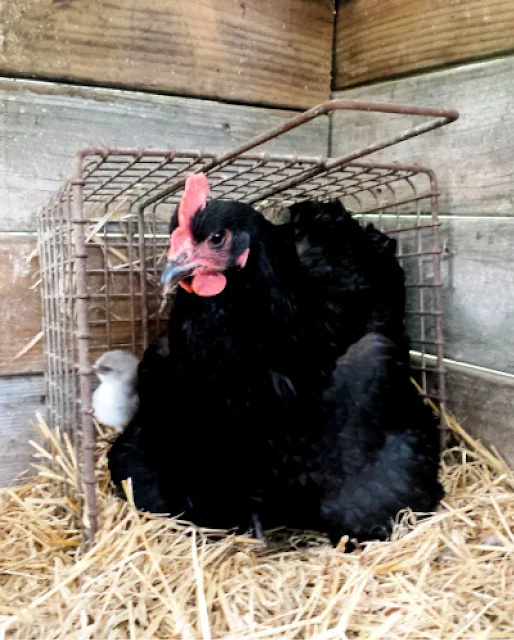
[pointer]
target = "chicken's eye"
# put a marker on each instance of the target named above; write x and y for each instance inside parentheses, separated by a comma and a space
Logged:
(217, 239)
(104, 368)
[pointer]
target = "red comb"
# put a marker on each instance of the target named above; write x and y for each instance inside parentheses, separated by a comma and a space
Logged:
(194, 198)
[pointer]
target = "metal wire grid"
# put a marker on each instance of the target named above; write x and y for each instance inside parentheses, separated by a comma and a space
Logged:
(399, 199)
(58, 291)
(103, 240)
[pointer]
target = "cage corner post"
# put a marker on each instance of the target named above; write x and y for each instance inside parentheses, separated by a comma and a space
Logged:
(87, 469)
(142, 276)
(42, 234)
(439, 306)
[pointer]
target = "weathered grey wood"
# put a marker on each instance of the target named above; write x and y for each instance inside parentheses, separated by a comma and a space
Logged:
(473, 157)
(478, 276)
(43, 125)
(20, 306)
(20, 398)
(274, 53)
(483, 403)
(477, 271)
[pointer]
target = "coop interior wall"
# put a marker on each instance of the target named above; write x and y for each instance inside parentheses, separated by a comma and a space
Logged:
(456, 55)
(251, 70)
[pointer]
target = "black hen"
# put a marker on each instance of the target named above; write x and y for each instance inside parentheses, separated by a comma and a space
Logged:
(251, 412)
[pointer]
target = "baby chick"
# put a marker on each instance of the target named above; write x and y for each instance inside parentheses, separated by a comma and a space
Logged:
(116, 400)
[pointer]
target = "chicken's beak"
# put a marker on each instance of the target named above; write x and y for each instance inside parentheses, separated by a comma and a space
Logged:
(176, 270)
(94, 369)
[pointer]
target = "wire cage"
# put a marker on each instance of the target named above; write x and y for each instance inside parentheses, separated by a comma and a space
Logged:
(103, 239)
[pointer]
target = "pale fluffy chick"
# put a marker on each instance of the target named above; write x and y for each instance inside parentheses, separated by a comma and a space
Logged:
(116, 400)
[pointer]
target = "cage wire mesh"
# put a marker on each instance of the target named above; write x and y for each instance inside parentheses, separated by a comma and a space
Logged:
(103, 240)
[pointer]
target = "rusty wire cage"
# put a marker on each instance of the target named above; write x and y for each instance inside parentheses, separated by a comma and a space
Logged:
(103, 239)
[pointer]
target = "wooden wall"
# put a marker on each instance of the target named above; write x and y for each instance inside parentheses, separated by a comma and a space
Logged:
(247, 51)
(211, 73)
(204, 74)
(438, 53)
(381, 39)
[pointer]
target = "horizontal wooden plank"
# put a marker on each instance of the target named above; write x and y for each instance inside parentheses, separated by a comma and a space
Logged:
(477, 269)
(377, 39)
(473, 157)
(20, 306)
(275, 54)
(482, 403)
(20, 398)
(43, 125)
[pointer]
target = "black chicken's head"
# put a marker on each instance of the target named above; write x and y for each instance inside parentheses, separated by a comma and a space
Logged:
(207, 239)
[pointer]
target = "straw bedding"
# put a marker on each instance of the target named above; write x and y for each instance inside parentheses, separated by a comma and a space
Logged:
(448, 576)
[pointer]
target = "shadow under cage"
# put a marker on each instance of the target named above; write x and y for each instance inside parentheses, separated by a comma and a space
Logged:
(103, 239)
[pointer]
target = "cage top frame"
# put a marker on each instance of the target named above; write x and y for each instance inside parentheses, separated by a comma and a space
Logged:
(438, 118)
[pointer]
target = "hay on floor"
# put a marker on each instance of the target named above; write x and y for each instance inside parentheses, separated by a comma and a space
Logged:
(449, 576)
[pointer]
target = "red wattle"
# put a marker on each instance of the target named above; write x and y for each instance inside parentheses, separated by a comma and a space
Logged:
(208, 284)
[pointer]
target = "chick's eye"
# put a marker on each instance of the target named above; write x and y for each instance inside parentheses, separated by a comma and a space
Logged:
(104, 368)
(217, 239)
